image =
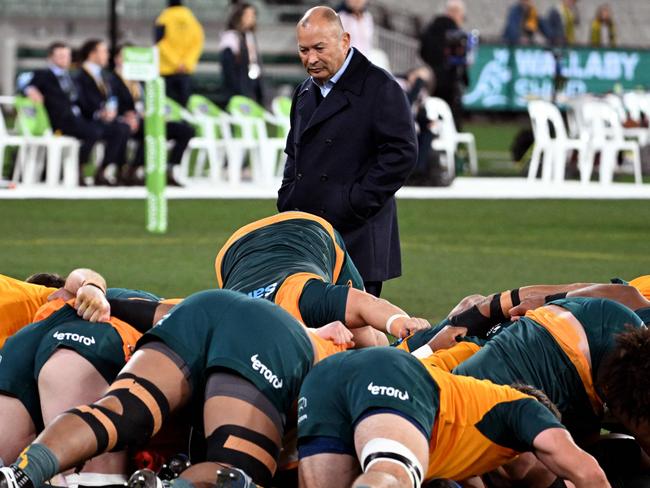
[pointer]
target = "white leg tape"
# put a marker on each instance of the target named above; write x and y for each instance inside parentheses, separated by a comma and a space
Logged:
(94, 479)
(388, 450)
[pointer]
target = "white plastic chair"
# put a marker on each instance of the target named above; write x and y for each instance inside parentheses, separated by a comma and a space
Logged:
(254, 122)
(606, 138)
(448, 138)
(628, 107)
(551, 149)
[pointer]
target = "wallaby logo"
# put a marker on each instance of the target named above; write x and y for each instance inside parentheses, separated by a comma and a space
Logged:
(489, 90)
(266, 372)
(69, 336)
(388, 391)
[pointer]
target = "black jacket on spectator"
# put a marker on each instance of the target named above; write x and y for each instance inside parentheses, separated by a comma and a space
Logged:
(436, 51)
(347, 156)
(125, 101)
(63, 110)
(92, 96)
(58, 103)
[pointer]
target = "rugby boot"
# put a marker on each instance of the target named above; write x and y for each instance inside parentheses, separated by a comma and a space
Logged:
(174, 467)
(144, 478)
(233, 478)
(8, 478)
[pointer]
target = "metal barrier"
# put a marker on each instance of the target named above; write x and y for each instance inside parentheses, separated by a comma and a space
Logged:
(402, 50)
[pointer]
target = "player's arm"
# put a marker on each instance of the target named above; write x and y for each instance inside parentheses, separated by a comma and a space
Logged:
(556, 449)
(140, 314)
(88, 288)
(480, 315)
(363, 309)
(624, 294)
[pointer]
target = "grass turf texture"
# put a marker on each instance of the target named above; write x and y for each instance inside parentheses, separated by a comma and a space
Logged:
(450, 248)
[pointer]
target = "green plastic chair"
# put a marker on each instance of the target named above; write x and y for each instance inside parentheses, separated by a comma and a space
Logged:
(281, 106)
(207, 143)
(32, 118)
(173, 111)
(62, 152)
(264, 128)
(203, 106)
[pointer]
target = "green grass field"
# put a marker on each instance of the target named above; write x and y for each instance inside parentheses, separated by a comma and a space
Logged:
(450, 248)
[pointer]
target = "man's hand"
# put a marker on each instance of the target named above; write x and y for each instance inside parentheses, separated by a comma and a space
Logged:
(132, 120)
(447, 337)
(530, 303)
(466, 303)
(34, 94)
(335, 332)
(91, 304)
(107, 115)
(403, 326)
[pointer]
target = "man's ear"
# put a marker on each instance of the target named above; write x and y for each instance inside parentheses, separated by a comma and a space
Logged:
(346, 40)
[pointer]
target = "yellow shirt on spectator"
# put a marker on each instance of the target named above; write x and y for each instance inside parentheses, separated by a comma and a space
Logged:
(181, 40)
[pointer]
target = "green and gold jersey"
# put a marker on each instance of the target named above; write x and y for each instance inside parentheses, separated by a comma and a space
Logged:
(543, 350)
(294, 259)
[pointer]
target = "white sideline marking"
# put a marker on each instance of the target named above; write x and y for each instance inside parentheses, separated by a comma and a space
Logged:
(488, 188)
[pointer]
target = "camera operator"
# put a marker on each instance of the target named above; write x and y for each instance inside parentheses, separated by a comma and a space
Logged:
(444, 48)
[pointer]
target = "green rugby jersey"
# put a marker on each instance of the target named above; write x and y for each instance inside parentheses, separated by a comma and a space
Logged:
(278, 258)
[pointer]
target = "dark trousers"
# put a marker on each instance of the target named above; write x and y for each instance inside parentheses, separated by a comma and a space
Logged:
(178, 88)
(373, 287)
(179, 132)
(114, 134)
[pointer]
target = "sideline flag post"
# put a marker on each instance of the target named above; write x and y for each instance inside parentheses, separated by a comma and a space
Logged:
(141, 64)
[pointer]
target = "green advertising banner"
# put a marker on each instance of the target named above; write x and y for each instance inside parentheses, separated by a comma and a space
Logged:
(155, 155)
(505, 78)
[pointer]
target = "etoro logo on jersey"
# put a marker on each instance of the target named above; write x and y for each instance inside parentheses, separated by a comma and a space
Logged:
(263, 292)
(69, 336)
(266, 372)
(390, 391)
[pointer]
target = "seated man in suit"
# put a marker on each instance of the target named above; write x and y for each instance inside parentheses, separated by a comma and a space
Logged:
(129, 96)
(99, 105)
(55, 88)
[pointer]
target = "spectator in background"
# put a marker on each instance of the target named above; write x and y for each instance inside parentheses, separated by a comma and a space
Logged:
(417, 84)
(179, 37)
(55, 88)
(239, 54)
(560, 24)
(358, 22)
(444, 47)
(129, 96)
(603, 29)
(99, 105)
(522, 24)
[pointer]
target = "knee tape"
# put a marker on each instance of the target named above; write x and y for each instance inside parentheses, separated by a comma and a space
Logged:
(388, 450)
(246, 449)
(143, 410)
